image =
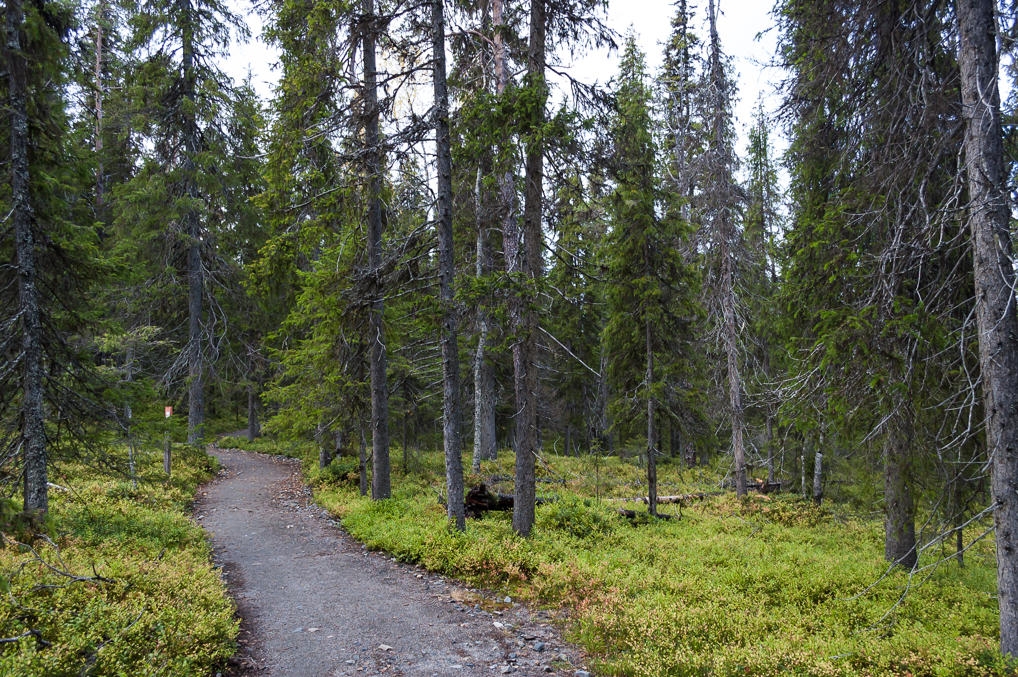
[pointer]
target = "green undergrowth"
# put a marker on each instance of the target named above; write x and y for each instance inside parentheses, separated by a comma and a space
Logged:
(120, 582)
(768, 586)
(264, 445)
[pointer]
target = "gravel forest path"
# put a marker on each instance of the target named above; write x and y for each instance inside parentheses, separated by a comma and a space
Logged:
(314, 602)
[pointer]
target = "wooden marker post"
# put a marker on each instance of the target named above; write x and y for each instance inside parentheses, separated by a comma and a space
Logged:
(166, 445)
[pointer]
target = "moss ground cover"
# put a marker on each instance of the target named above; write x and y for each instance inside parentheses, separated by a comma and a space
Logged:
(770, 586)
(149, 602)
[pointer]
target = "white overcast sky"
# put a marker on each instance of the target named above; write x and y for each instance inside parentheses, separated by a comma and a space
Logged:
(740, 23)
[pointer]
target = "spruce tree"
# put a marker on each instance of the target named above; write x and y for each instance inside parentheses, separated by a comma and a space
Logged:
(761, 230)
(576, 312)
(650, 291)
(182, 101)
(49, 248)
(885, 288)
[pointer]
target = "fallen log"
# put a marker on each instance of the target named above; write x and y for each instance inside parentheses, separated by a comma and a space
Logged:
(681, 499)
(763, 486)
(548, 480)
(634, 515)
(480, 500)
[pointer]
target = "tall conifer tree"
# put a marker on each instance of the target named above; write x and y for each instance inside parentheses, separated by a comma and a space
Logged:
(650, 291)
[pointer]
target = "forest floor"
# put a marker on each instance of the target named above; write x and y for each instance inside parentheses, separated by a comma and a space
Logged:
(313, 601)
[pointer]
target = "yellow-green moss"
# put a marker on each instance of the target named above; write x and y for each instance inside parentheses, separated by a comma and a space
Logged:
(165, 611)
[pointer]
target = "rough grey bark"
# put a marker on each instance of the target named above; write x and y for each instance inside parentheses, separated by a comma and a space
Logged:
(192, 233)
(484, 371)
(326, 446)
(362, 463)
(129, 415)
(403, 442)
(506, 177)
(485, 444)
(726, 235)
(528, 267)
(802, 477)
(254, 428)
(33, 432)
(734, 380)
(380, 486)
(818, 477)
(446, 275)
(959, 522)
(770, 449)
(899, 507)
(100, 179)
(994, 284)
(651, 430)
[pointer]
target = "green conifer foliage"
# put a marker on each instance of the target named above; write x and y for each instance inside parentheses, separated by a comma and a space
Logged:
(176, 205)
(650, 291)
(49, 254)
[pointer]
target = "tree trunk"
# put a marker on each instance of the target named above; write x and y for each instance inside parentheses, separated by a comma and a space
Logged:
(362, 462)
(802, 478)
(899, 508)
(770, 449)
(337, 448)
(254, 428)
(994, 283)
(734, 379)
(484, 372)
(100, 179)
(402, 428)
(192, 233)
(528, 268)
(129, 416)
(651, 431)
(818, 477)
(485, 445)
(959, 520)
(33, 432)
(380, 486)
(726, 236)
(446, 273)
(324, 452)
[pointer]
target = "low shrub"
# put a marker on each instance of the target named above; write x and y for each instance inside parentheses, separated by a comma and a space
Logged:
(763, 586)
(122, 583)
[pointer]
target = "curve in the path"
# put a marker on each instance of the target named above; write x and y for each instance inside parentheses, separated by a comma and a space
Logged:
(314, 603)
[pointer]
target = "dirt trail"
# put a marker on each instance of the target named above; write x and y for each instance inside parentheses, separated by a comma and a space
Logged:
(315, 603)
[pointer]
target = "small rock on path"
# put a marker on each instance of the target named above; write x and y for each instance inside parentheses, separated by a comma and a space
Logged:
(314, 603)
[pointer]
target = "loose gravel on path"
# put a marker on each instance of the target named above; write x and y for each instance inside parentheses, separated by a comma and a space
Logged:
(315, 603)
